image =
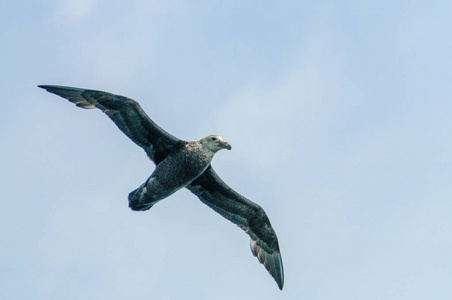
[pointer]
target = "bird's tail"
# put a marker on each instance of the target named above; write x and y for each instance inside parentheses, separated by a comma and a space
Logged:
(140, 199)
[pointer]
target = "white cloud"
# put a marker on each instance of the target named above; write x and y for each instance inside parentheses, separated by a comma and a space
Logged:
(73, 11)
(271, 120)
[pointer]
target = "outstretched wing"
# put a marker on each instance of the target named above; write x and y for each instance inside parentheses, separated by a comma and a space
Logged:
(127, 115)
(247, 215)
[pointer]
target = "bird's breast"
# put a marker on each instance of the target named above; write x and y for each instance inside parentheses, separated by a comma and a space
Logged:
(179, 169)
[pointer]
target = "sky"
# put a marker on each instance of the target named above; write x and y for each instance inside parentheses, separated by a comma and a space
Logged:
(338, 112)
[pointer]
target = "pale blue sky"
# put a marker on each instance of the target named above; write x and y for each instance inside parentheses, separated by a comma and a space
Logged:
(340, 118)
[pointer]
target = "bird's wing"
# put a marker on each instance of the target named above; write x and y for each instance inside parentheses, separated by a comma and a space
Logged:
(127, 115)
(247, 215)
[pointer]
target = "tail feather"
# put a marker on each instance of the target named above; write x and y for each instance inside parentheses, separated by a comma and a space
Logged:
(140, 200)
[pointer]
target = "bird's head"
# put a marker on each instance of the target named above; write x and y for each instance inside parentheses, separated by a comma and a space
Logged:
(215, 143)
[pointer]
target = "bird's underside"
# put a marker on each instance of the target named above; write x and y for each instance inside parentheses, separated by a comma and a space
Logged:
(182, 164)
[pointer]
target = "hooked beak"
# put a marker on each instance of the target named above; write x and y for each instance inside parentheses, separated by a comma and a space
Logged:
(225, 145)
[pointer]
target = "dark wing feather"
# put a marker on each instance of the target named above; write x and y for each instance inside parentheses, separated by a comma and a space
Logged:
(127, 115)
(247, 215)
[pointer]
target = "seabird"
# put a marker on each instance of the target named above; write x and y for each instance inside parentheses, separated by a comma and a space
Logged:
(182, 164)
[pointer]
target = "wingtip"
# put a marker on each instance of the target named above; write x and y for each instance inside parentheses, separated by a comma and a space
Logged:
(272, 262)
(280, 279)
(46, 87)
(280, 285)
(50, 87)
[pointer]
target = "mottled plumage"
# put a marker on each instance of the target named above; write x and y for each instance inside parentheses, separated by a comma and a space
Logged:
(182, 164)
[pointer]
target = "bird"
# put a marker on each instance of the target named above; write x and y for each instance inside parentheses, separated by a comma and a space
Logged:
(182, 164)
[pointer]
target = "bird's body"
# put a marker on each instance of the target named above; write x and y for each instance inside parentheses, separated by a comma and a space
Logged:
(182, 164)
(173, 173)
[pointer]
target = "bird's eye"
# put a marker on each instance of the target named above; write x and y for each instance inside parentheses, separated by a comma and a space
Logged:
(214, 139)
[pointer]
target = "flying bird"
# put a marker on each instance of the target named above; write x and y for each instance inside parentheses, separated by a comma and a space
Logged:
(182, 164)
